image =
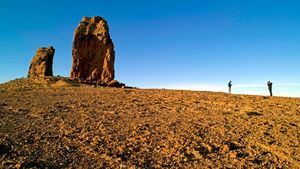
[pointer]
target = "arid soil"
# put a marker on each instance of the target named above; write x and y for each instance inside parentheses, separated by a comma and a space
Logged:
(58, 125)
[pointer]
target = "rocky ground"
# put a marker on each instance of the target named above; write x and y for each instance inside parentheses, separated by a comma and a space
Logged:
(59, 124)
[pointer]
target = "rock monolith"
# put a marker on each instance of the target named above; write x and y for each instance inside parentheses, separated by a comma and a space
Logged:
(41, 63)
(93, 52)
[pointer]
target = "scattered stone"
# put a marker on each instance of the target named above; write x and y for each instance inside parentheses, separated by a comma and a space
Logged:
(7, 163)
(20, 164)
(205, 148)
(232, 154)
(235, 145)
(196, 154)
(2, 104)
(93, 52)
(4, 149)
(254, 114)
(41, 64)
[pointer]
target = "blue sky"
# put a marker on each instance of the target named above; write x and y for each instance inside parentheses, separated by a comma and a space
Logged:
(195, 44)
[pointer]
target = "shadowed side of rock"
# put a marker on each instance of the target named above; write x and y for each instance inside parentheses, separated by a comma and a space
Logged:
(41, 63)
(93, 52)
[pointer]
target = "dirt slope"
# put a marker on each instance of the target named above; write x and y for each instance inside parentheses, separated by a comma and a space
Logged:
(42, 125)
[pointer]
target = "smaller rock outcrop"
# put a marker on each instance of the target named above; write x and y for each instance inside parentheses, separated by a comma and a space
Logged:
(115, 83)
(41, 64)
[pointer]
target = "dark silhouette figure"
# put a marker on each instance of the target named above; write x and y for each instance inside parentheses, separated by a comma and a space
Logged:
(270, 84)
(229, 86)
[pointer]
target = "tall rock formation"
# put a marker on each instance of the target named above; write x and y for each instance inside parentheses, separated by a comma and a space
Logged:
(41, 63)
(93, 52)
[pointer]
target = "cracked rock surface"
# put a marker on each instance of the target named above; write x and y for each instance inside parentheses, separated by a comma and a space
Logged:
(93, 51)
(41, 63)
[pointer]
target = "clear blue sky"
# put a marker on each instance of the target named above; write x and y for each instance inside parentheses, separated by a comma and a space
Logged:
(194, 44)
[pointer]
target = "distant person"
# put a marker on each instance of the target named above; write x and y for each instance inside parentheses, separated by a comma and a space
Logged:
(229, 86)
(270, 84)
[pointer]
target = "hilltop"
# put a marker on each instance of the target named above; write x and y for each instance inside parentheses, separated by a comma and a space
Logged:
(59, 123)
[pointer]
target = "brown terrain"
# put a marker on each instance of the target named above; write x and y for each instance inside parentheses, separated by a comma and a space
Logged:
(59, 123)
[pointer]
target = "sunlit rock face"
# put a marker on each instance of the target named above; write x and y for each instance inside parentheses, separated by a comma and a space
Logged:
(93, 52)
(41, 63)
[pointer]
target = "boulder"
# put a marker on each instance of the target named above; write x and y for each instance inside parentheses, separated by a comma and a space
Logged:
(41, 64)
(93, 52)
(115, 83)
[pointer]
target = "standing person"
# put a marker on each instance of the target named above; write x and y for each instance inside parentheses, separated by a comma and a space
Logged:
(270, 87)
(229, 86)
